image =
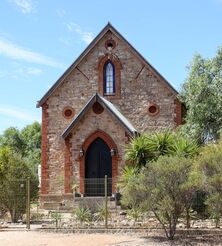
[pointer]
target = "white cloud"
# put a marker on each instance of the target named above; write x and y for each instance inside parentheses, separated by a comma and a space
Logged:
(20, 73)
(17, 113)
(18, 53)
(87, 37)
(24, 71)
(33, 71)
(25, 6)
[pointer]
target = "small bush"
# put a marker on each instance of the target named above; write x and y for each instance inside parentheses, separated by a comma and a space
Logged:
(56, 217)
(37, 216)
(82, 214)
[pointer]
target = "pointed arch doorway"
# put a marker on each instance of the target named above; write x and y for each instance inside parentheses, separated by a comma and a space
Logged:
(96, 163)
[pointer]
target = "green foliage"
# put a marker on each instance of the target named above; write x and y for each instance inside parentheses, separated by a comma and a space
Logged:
(135, 213)
(14, 172)
(143, 151)
(128, 172)
(31, 136)
(183, 146)
(56, 217)
(199, 204)
(37, 216)
(162, 187)
(13, 139)
(214, 203)
(145, 148)
(161, 143)
(209, 163)
(202, 95)
(127, 183)
(137, 151)
(26, 142)
(82, 214)
(19, 159)
(101, 213)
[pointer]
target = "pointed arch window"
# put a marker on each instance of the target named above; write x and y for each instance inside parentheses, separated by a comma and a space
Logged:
(109, 78)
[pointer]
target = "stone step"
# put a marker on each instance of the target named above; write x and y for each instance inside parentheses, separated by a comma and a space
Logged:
(91, 202)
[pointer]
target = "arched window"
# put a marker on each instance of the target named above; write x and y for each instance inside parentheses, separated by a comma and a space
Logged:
(109, 78)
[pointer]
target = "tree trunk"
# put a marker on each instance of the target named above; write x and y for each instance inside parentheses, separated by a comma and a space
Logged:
(172, 228)
(14, 215)
(188, 218)
(217, 222)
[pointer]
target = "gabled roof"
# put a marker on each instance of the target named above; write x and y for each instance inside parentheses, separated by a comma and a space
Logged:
(107, 28)
(109, 107)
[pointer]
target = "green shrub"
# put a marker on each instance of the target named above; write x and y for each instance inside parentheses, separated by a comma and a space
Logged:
(82, 214)
(56, 217)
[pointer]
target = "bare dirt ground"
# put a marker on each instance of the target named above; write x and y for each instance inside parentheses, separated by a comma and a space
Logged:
(34, 238)
(9, 238)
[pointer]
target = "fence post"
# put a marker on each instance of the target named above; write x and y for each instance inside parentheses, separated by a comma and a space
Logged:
(28, 204)
(106, 203)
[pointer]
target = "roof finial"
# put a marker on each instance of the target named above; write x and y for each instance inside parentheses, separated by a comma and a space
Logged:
(109, 24)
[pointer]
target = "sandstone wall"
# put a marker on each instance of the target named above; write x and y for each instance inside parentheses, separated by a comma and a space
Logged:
(139, 86)
(91, 123)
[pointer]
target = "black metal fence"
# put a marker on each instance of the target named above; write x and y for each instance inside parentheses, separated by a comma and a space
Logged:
(96, 187)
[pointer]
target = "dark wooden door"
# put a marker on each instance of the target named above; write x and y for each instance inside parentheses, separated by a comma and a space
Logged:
(98, 163)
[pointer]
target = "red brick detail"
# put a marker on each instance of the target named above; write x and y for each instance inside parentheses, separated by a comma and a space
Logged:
(68, 164)
(153, 109)
(109, 141)
(44, 153)
(68, 112)
(178, 112)
(110, 43)
(118, 66)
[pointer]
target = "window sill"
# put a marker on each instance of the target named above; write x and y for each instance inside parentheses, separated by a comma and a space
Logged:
(109, 94)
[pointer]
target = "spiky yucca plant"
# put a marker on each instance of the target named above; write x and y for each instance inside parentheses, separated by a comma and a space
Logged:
(82, 214)
(137, 149)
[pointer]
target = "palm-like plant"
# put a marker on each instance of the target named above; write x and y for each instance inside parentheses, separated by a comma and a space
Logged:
(135, 213)
(82, 214)
(137, 149)
(184, 147)
(128, 173)
(101, 213)
(160, 143)
(56, 217)
(144, 148)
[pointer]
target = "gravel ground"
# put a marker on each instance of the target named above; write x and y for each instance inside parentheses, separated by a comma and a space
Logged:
(35, 238)
(32, 238)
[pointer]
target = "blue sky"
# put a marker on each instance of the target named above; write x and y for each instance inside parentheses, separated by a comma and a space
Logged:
(39, 39)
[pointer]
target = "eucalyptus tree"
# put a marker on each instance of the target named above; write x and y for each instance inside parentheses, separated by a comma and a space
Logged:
(202, 95)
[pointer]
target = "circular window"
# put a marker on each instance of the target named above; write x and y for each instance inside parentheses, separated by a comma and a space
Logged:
(68, 112)
(110, 44)
(153, 109)
(97, 108)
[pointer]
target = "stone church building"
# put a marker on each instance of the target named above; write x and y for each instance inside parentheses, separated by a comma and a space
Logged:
(109, 94)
